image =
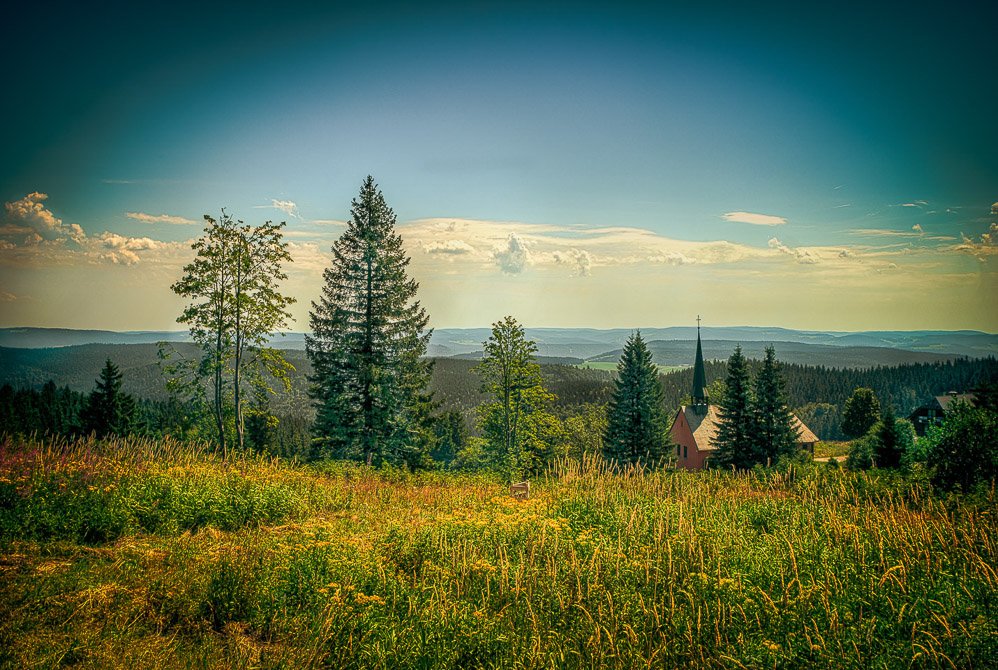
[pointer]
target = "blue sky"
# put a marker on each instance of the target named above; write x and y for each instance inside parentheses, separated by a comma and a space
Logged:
(827, 167)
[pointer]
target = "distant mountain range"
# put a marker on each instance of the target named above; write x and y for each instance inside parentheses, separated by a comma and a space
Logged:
(670, 346)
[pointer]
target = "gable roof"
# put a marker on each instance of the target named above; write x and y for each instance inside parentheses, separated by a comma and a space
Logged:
(944, 401)
(704, 426)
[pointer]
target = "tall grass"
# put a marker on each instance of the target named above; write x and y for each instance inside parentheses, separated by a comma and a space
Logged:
(202, 562)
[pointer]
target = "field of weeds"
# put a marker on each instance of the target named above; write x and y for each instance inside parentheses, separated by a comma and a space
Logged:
(138, 554)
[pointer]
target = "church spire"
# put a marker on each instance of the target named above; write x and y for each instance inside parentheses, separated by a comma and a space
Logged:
(699, 394)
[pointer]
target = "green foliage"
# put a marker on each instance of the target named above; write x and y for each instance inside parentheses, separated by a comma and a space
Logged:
(235, 307)
(861, 412)
(367, 341)
(451, 437)
(520, 432)
(774, 432)
(109, 411)
(637, 423)
(888, 444)
(735, 441)
(584, 429)
(964, 450)
(895, 438)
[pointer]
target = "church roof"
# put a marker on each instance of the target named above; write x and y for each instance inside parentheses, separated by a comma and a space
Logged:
(699, 393)
(704, 427)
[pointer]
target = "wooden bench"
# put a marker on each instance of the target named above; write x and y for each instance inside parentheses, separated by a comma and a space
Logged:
(520, 491)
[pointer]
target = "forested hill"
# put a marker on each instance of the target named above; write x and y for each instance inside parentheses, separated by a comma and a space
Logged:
(816, 393)
(682, 352)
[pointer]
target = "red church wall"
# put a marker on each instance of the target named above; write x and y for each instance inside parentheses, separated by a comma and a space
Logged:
(683, 436)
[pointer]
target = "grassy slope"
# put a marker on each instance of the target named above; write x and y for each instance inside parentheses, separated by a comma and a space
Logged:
(148, 555)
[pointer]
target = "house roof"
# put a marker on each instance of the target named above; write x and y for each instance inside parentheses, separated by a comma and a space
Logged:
(944, 401)
(704, 426)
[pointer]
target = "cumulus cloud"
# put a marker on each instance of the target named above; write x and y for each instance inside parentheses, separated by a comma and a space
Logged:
(918, 228)
(47, 241)
(994, 209)
(755, 219)
(845, 253)
(580, 260)
(449, 248)
(801, 255)
(514, 256)
(160, 218)
(30, 213)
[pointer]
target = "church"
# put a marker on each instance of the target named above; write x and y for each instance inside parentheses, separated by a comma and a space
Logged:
(695, 427)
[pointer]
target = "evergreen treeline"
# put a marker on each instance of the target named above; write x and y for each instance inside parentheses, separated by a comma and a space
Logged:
(818, 394)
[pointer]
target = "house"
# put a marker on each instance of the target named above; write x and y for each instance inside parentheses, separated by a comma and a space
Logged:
(932, 412)
(694, 429)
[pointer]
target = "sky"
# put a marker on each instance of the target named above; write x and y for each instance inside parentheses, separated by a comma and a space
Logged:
(804, 165)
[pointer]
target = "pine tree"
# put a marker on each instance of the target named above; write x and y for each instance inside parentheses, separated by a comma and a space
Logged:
(636, 418)
(893, 440)
(108, 410)
(735, 441)
(773, 425)
(367, 342)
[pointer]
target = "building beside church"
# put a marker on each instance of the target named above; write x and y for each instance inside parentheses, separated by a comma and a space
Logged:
(934, 411)
(694, 429)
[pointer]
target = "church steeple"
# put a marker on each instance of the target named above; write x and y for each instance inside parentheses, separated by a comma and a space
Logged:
(699, 394)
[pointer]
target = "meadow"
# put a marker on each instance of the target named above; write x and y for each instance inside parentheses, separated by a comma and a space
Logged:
(134, 554)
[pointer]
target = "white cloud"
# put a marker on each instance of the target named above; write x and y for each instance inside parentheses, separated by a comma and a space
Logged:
(800, 254)
(918, 228)
(672, 258)
(514, 256)
(7, 297)
(881, 232)
(331, 222)
(29, 212)
(755, 219)
(286, 206)
(580, 260)
(449, 247)
(161, 218)
(46, 241)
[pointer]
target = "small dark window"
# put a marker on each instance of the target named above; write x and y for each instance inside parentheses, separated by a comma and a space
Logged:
(685, 452)
(677, 450)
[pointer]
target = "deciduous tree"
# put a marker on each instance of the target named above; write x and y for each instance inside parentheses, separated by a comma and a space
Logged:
(862, 410)
(233, 283)
(520, 432)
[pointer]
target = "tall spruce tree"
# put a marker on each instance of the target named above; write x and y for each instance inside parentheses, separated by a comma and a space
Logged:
(367, 342)
(773, 424)
(735, 441)
(636, 417)
(109, 411)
